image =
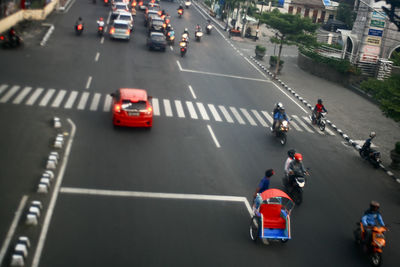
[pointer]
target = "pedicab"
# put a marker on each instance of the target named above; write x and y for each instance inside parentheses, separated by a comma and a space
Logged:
(271, 220)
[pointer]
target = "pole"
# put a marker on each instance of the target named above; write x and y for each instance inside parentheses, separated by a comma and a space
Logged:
(258, 25)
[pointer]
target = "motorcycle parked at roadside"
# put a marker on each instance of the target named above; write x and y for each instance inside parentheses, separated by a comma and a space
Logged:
(295, 189)
(320, 121)
(374, 247)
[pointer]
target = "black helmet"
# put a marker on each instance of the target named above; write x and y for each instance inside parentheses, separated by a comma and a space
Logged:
(374, 205)
(79, 18)
(269, 173)
(320, 101)
(291, 153)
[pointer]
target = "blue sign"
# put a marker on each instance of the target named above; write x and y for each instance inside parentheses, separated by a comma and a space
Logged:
(374, 32)
(281, 3)
(327, 2)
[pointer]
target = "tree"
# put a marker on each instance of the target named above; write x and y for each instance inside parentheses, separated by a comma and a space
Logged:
(346, 14)
(394, 7)
(291, 30)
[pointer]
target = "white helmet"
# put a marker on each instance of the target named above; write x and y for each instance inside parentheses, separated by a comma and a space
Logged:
(279, 105)
(372, 134)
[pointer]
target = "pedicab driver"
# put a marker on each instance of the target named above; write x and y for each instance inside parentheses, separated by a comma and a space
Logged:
(262, 186)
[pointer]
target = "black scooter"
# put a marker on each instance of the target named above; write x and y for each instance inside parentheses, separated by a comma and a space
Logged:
(371, 155)
(11, 39)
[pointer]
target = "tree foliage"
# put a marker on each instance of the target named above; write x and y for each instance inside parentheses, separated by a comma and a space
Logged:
(346, 14)
(391, 13)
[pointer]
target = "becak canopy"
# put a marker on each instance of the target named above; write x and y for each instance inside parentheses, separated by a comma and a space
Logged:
(277, 196)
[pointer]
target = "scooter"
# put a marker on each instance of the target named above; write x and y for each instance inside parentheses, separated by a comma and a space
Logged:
(183, 47)
(79, 28)
(171, 37)
(374, 248)
(209, 28)
(295, 190)
(180, 13)
(371, 155)
(320, 122)
(188, 4)
(198, 34)
(281, 132)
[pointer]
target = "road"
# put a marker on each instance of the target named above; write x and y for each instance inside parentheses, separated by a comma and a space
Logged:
(175, 195)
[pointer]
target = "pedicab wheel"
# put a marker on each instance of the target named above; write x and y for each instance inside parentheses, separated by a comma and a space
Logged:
(254, 229)
(376, 259)
(322, 126)
(284, 240)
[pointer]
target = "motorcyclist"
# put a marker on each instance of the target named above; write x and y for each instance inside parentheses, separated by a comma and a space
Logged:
(79, 21)
(278, 118)
(296, 168)
(277, 107)
(319, 107)
(100, 22)
(367, 144)
(198, 28)
(290, 158)
(372, 217)
(185, 39)
(262, 186)
(180, 7)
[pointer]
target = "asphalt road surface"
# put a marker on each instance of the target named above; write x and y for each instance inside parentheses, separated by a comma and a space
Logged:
(178, 194)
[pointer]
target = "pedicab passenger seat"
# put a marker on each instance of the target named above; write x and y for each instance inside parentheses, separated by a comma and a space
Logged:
(271, 216)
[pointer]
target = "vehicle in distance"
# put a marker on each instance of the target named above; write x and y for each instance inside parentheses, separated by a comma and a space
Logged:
(156, 41)
(127, 17)
(120, 29)
(131, 107)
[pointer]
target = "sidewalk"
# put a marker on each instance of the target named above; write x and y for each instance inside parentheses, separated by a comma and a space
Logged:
(350, 112)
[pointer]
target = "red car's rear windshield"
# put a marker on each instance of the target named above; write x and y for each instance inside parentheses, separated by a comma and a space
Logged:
(129, 105)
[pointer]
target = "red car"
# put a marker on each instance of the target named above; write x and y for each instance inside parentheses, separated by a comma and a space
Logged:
(132, 108)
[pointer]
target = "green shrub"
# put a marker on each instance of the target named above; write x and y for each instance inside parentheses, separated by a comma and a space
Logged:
(395, 57)
(261, 48)
(274, 59)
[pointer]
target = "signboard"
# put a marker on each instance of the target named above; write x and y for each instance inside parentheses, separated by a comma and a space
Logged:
(372, 50)
(377, 23)
(368, 58)
(373, 40)
(327, 2)
(380, 15)
(375, 32)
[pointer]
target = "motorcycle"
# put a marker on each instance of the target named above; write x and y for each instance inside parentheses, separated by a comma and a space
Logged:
(106, 2)
(171, 37)
(79, 28)
(188, 4)
(10, 40)
(320, 122)
(209, 28)
(180, 12)
(100, 28)
(295, 190)
(281, 132)
(371, 155)
(374, 248)
(198, 35)
(183, 47)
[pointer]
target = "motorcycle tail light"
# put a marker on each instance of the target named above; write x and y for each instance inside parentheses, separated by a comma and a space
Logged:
(140, 3)
(100, 28)
(106, 1)
(2, 37)
(182, 49)
(80, 27)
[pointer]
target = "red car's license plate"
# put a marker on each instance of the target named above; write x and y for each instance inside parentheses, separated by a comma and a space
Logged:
(133, 113)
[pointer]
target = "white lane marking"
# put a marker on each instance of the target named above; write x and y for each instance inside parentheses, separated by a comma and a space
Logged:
(9, 94)
(192, 91)
(213, 136)
(179, 65)
(53, 200)
(171, 48)
(226, 114)
(83, 100)
(102, 40)
(97, 57)
(22, 95)
(203, 111)
(259, 118)
(191, 109)
(266, 115)
(88, 82)
(107, 103)
(167, 108)
(223, 75)
(109, 17)
(3, 87)
(179, 109)
(47, 97)
(214, 112)
(12, 228)
(156, 107)
(57, 101)
(302, 124)
(32, 99)
(248, 117)
(71, 100)
(294, 124)
(95, 102)
(237, 115)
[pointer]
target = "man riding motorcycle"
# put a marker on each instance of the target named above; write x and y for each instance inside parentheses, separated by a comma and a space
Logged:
(296, 168)
(290, 158)
(275, 111)
(371, 218)
(318, 109)
(367, 144)
(278, 118)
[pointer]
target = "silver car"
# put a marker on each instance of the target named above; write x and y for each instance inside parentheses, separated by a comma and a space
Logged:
(120, 30)
(127, 17)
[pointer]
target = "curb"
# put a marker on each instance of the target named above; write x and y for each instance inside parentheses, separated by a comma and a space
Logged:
(333, 126)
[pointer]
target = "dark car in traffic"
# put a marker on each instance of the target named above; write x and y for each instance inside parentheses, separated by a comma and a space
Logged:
(156, 41)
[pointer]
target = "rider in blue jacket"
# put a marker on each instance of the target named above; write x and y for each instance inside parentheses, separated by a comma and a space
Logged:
(372, 217)
(279, 117)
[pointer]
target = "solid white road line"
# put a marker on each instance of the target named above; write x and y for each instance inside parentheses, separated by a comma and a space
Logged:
(259, 118)
(191, 109)
(88, 82)
(248, 117)
(57, 101)
(224, 75)
(83, 100)
(9, 94)
(213, 136)
(228, 117)
(236, 115)
(12, 228)
(203, 111)
(32, 99)
(53, 200)
(192, 92)
(179, 109)
(47, 97)
(214, 112)
(167, 107)
(102, 40)
(22, 95)
(95, 102)
(179, 65)
(107, 103)
(71, 99)
(156, 107)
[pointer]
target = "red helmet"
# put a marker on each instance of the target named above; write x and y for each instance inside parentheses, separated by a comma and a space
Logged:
(298, 157)
(101, 18)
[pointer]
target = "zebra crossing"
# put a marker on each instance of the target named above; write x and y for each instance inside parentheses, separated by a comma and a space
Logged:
(62, 98)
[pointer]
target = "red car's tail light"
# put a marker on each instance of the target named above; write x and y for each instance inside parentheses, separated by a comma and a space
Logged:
(117, 108)
(149, 110)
